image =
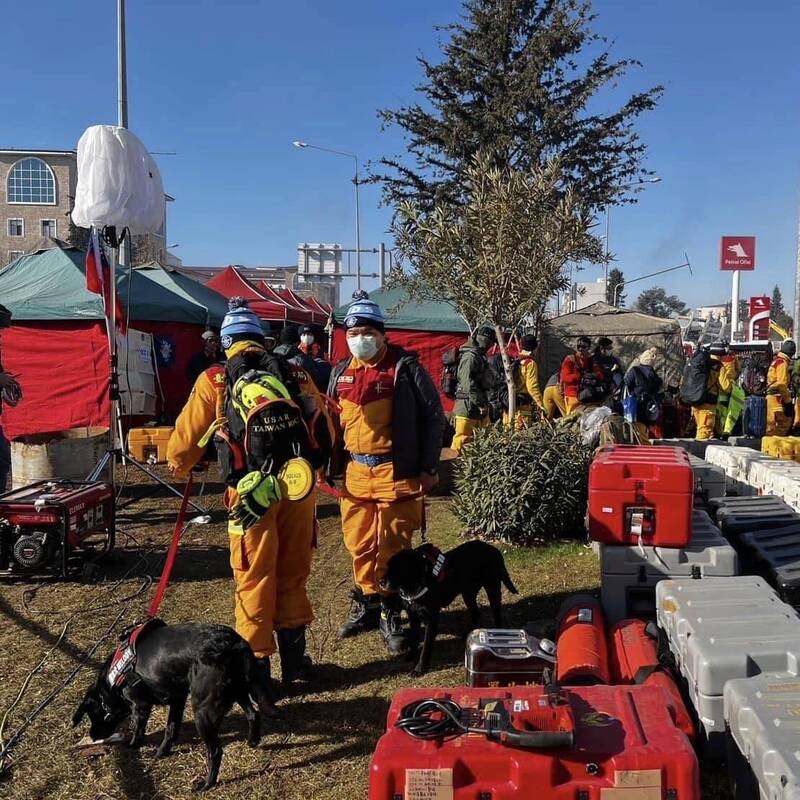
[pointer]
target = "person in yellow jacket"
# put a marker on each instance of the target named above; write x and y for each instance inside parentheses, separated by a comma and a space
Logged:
(392, 429)
(526, 380)
(780, 412)
(270, 553)
(721, 378)
(552, 398)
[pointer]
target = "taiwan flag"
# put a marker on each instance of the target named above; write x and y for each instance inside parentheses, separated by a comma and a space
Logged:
(98, 278)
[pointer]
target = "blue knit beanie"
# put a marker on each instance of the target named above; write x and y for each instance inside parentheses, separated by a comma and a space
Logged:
(240, 322)
(363, 311)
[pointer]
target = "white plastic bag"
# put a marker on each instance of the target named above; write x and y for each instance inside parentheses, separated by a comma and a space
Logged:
(118, 182)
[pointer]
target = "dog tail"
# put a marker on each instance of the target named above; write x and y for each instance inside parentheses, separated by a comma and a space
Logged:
(506, 579)
(259, 685)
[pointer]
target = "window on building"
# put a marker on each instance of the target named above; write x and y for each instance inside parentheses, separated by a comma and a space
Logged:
(31, 181)
(14, 254)
(49, 228)
(16, 227)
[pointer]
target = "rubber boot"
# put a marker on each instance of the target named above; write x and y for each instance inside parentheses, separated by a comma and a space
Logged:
(295, 664)
(391, 625)
(364, 614)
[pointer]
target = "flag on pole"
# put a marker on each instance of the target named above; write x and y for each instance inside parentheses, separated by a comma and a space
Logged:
(98, 278)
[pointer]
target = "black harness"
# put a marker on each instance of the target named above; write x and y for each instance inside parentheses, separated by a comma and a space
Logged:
(438, 570)
(122, 670)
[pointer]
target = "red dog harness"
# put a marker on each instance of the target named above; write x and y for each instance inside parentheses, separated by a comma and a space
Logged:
(123, 662)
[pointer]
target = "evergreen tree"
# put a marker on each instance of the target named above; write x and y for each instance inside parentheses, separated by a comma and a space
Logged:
(516, 81)
(778, 314)
(658, 303)
(616, 296)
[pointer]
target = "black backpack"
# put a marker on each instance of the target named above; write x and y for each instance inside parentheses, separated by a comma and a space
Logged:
(267, 435)
(590, 389)
(500, 391)
(694, 385)
(448, 383)
(753, 378)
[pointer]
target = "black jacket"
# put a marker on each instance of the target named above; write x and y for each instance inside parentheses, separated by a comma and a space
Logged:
(418, 420)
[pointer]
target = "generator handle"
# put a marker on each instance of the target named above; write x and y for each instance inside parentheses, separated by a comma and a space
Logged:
(532, 740)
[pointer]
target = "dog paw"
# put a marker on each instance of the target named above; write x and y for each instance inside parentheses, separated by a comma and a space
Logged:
(201, 785)
(253, 743)
(417, 672)
(163, 752)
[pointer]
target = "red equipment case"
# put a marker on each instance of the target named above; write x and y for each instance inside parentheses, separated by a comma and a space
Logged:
(633, 658)
(641, 494)
(626, 747)
(54, 527)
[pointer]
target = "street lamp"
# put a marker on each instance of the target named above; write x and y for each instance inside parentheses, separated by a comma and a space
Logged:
(304, 145)
(608, 221)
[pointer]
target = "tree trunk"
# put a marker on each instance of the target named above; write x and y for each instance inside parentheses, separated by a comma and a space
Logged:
(509, 373)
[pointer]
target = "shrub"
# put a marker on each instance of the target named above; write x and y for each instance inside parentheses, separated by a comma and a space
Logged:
(523, 486)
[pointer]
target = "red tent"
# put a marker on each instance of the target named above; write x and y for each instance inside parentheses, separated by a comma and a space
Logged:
(300, 302)
(321, 307)
(230, 283)
(293, 313)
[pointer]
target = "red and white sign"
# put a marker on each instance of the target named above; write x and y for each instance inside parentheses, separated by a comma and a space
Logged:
(737, 252)
(759, 318)
(759, 304)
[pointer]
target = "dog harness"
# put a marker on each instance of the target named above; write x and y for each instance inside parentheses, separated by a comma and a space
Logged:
(438, 562)
(123, 663)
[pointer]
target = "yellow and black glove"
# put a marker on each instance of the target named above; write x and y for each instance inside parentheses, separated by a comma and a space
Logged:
(257, 493)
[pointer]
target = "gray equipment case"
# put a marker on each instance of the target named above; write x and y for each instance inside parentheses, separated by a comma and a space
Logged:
(709, 480)
(762, 715)
(720, 629)
(629, 573)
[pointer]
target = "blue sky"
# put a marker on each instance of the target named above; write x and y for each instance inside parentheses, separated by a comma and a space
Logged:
(228, 84)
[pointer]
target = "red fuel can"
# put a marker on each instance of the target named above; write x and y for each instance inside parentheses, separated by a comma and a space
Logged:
(641, 495)
(626, 747)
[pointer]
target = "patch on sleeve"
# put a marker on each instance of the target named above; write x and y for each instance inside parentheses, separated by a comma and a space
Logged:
(346, 379)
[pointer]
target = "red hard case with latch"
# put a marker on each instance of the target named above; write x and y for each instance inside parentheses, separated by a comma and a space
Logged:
(641, 494)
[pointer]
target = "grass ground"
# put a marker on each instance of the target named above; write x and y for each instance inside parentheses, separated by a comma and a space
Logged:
(319, 749)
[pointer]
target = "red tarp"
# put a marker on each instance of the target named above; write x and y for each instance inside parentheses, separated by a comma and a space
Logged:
(63, 370)
(428, 347)
(302, 303)
(293, 314)
(230, 283)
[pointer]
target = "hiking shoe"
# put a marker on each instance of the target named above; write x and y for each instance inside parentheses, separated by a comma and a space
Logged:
(391, 626)
(364, 613)
(295, 664)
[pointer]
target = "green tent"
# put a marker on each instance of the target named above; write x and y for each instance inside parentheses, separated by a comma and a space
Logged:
(403, 314)
(51, 285)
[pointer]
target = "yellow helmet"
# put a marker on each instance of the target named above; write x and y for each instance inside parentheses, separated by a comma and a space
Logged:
(252, 389)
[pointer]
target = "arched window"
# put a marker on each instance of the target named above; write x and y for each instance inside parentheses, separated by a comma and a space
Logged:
(31, 181)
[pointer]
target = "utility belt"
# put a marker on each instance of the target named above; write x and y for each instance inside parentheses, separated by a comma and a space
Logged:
(371, 461)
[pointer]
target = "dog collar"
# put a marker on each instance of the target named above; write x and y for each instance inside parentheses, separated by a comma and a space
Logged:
(437, 573)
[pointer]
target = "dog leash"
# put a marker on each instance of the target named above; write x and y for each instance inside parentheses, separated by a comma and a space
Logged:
(177, 532)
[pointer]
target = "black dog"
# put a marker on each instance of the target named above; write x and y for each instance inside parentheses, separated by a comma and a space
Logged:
(210, 664)
(428, 581)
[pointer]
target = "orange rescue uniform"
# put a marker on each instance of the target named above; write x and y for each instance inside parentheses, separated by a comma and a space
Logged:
(778, 396)
(271, 561)
(379, 514)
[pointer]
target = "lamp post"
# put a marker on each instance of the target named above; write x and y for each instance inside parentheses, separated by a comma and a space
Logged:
(305, 145)
(608, 223)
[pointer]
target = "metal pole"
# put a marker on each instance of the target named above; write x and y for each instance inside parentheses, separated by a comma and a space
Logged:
(796, 325)
(735, 304)
(605, 266)
(122, 68)
(382, 263)
(358, 231)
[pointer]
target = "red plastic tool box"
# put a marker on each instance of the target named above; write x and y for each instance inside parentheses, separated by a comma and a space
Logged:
(626, 747)
(641, 494)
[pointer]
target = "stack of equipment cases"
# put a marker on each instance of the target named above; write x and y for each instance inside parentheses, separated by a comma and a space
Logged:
(753, 442)
(786, 485)
(736, 461)
(764, 474)
(709, 480)
(624, 744)
(721, 629)
(761, 716)
(736, 516)
(629, 574)
(775, 555)
(694, 446)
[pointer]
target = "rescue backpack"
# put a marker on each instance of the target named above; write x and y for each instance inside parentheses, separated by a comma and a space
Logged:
(694, 384)
(448, 383)
(753, 377)
(501, 387)
(263, 424)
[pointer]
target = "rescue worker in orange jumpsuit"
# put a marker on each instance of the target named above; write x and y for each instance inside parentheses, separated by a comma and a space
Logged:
(271, 555)
(573, 368)
(392, 428)
(720, 380)
(780, 413)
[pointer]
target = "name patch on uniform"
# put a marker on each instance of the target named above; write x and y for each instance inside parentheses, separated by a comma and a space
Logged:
(346, 379)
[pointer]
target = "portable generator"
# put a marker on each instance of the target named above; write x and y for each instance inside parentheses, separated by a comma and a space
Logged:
(55, 528)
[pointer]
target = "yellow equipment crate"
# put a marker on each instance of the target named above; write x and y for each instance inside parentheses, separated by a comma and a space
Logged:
(149, 444)
(771, 445)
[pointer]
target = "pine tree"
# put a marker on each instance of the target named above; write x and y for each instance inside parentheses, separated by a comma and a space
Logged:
(658, 303)
(614, 296)
(778, 314)
(516, 81)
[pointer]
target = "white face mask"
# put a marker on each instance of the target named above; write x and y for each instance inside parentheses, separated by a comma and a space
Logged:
(307, 339)
(363, 347)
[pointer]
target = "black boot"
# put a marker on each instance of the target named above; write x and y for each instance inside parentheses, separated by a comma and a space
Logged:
(295, 664)
(364, 614)
(391, 625)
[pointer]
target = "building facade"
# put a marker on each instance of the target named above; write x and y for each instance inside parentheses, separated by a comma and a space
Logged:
(37, 194)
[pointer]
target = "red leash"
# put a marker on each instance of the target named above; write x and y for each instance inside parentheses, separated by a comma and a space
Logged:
(166, 573)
